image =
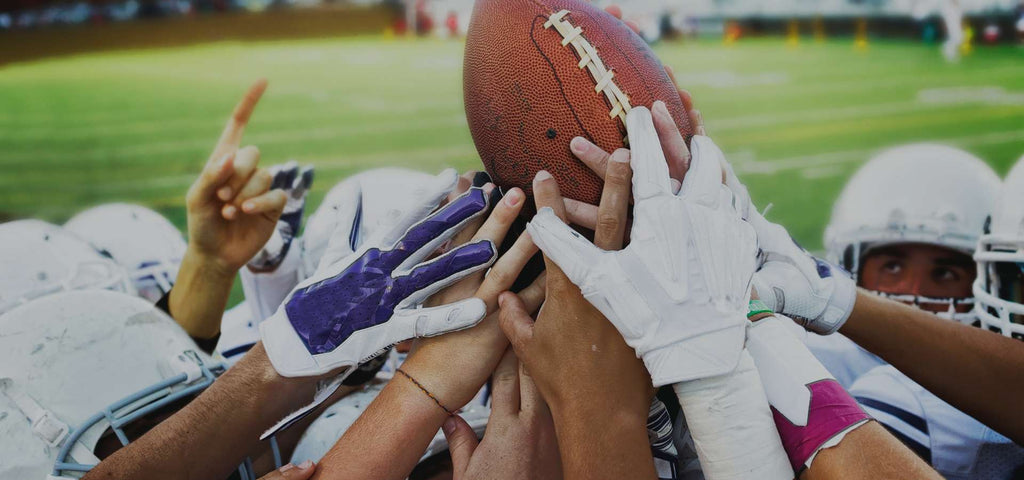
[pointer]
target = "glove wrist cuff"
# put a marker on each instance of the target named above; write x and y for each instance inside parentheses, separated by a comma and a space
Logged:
(839, 307)
(710, 354)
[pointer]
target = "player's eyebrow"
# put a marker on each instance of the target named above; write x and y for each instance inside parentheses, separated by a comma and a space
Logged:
(890, 252)
(961, 261)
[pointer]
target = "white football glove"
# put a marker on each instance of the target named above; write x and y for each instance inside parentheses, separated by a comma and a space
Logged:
(678, 293)
(789, 280)
(357, 305)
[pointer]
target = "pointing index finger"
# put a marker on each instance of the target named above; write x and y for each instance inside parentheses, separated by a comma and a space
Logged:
(232, 134)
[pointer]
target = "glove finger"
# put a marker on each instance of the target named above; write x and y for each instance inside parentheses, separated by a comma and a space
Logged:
(703, 181)
(303, 182)
(284, 178)
(573, 254)
(650, 170)
(433, 193)
(434, 321)
(429, 278)
(425, 237)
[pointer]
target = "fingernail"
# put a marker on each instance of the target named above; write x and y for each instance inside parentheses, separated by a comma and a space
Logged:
(700, 131)
(449, 425)
(224, 193)
(488, 188)
(248, 207)
(286, 468)
(306, 465)
(501, 300)
(513, 197)
(621, 156)
(676, 186)
(230, 211)
(542, 176)
(660, 108)
(579, 145)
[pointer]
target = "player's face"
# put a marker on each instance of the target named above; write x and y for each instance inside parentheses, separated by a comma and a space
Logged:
(920, 270)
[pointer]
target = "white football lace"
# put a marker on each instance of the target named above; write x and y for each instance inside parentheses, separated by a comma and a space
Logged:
(590, 60)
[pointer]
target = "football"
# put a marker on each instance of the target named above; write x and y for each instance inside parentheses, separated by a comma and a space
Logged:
(538, 73)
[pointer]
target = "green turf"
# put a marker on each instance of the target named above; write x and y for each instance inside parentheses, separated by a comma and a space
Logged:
(137, 125)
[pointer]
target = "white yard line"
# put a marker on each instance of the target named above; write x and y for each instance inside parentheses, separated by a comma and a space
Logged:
(771, 167)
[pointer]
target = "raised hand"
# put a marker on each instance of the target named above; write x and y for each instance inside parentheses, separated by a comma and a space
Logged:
(231, 210)
(578, 359)
(678, 293)
(789, 280)
(520, 440)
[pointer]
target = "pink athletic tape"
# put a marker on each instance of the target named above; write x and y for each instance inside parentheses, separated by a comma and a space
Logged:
(832, 411)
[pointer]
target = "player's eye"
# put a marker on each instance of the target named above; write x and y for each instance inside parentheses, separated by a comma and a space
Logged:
(943, 274)
(892, 267)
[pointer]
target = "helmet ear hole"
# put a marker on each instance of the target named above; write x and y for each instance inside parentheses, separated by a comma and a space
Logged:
(848, 260)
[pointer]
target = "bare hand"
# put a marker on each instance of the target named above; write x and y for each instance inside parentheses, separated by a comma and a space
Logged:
(231, 209)
(520, 440)
(672, 143)
(572, 351)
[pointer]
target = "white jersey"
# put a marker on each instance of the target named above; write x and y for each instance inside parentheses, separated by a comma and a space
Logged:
(956, 445)
(844, 359)
(238, 333)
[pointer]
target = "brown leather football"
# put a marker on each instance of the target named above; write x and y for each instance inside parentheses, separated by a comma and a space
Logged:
(538, 73)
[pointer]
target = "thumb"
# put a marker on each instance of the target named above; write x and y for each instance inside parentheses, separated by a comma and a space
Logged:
(214, 174)
(515, 321)
(462, 443)
(301, 471)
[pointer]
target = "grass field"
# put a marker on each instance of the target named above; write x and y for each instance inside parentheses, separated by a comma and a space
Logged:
(137, 125)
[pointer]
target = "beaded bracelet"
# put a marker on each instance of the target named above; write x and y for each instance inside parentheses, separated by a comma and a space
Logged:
(431, 395)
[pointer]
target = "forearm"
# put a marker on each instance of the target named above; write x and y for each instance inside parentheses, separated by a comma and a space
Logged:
(598, 441)
(402, 420)
(975, 371)
(216, 430)
(869, 452)
(200, 295)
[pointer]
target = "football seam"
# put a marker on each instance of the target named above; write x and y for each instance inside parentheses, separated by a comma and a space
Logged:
(627, 58)
(611, 92)
(554, 74)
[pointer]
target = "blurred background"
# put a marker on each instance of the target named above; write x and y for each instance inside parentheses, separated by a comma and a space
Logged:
(122, 100)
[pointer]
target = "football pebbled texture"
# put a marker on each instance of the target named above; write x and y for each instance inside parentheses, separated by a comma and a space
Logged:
(529, 91)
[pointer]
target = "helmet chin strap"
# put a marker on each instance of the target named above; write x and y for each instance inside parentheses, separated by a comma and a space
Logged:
(44, 423)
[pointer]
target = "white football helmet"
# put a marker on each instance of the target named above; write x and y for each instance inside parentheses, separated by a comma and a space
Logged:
(325, 431)
(39, 258)
(84, 373)
(381, 191)
(999, 288)
(922, 193)
(142, 241)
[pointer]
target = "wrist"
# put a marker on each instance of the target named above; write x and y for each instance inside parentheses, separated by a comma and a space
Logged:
(455, 366)
(278, 394)
(713, 353)
(197, 264)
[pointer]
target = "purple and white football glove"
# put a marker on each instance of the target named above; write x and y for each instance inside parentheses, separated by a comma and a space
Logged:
(357, 305)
